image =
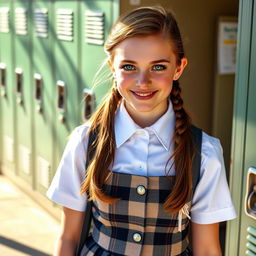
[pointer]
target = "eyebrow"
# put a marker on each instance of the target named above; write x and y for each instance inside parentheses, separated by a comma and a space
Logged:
(154, 61)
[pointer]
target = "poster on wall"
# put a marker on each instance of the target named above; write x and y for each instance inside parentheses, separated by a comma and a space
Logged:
(227, 41)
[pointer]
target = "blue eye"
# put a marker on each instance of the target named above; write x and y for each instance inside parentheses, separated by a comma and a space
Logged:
(159, 67)
(128, 67)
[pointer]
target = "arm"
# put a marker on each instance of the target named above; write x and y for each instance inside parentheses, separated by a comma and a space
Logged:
(205, 239)
(71, 226)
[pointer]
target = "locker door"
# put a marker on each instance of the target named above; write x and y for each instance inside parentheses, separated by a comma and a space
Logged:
(248, 214)
(241, 233)
(44, 92)
(97, 17)
(7, 102)
(22, 88)
(66, 24)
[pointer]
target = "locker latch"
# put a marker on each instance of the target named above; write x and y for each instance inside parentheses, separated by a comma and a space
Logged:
(19, 78)
(89, 101)
(61, 101)
(38, 92)
(3, 79)
(250, 195)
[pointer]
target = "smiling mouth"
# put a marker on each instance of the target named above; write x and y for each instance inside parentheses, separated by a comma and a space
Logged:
(143, 95)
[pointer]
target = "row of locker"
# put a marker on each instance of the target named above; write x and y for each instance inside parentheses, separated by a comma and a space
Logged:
(49, 54)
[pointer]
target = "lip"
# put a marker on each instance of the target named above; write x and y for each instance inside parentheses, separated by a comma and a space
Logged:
(144, 95)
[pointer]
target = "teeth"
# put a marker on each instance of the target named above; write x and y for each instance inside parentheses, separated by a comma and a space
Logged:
(143, 94)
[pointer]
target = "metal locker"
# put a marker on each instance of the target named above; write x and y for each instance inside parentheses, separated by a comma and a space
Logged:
(66, 27)
(241, 232)
(97, 17)
(7, 103)
(43, 93)
(22, 89)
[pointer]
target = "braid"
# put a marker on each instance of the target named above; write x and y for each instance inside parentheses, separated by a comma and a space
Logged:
(182, 155)
(103, 125)
(182, 118)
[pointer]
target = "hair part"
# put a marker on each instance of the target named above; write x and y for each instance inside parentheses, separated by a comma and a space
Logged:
(141, 22)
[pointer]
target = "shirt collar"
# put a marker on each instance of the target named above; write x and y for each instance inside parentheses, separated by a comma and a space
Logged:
(163, 128)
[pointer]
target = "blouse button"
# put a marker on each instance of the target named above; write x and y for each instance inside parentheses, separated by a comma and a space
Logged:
(136, 237)
(141, 190)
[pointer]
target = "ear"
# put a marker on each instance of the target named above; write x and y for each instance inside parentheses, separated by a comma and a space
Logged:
(180, 68)
(110, 63)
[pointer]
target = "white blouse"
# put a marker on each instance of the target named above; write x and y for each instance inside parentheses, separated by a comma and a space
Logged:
(145, 151)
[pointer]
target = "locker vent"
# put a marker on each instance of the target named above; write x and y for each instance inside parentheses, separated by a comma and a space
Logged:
(21, 24)
(251, 244)
(43, 168)
(4, 20)
(41, 22)
(94, 27)
(24, 159)
(65, 24)
(8, 148)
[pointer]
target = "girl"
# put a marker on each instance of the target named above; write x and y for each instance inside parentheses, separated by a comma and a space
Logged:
(140, 177)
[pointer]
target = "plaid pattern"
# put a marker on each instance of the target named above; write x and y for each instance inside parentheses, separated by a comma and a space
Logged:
(115, 224)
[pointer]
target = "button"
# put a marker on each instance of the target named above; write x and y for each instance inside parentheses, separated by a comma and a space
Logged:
(136, 237)
(141, 190)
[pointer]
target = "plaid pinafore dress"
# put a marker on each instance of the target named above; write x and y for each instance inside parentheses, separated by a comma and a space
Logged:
(137, 224)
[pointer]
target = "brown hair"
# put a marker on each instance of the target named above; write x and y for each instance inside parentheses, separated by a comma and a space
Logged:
(143, 21)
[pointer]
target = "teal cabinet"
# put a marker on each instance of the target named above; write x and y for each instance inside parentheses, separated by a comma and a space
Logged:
(7, 88)
(43, 93)
(241, 235)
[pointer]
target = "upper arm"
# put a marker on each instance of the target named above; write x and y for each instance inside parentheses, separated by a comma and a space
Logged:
(205, 239)
(71, 224)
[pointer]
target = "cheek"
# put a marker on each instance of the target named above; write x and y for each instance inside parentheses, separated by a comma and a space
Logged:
(163, 80)
(124, 80)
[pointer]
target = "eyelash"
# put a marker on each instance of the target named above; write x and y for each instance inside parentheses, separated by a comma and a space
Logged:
(162, 67)
(124, 67)
(129, 67)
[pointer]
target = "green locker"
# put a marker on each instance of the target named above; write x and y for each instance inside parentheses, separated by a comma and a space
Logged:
(65, 51)
(241, 233)
(44, 92)
(97, 17)
(22, 89)
(8, 121)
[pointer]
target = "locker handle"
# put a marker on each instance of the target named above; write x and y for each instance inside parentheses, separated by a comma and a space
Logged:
(88, 103)
(19, 73)
(61, 100)
(38, 91)
(251, 202)
(250, 193)
(3, 79)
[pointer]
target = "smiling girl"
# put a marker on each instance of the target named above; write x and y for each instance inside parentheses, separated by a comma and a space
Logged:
(146, 189)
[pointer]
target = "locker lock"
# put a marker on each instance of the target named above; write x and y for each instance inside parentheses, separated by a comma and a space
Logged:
(250, 195)
(89, 101)
(38, 92)
(61, 101)
(19, 80)
(3, 79)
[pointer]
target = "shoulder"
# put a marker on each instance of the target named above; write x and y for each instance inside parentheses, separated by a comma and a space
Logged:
(79, 133)
(212, 152)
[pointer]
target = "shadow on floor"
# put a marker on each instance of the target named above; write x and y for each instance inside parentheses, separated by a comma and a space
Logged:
(21, 247)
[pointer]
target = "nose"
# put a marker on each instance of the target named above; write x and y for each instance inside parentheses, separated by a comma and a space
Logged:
(143, 79)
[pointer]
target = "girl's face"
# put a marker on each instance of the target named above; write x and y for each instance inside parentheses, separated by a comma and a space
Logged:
(144, 69)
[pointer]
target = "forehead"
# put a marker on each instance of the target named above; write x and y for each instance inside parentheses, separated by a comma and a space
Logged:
(147, 48)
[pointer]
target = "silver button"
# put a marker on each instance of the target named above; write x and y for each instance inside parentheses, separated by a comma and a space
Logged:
(141, 190)
(136, 237)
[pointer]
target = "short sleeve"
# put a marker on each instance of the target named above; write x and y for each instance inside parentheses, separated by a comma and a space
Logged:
(212, 201)
(66, 184)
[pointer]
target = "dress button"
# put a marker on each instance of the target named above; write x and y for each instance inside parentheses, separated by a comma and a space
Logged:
(141, 190)
(136, 237)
